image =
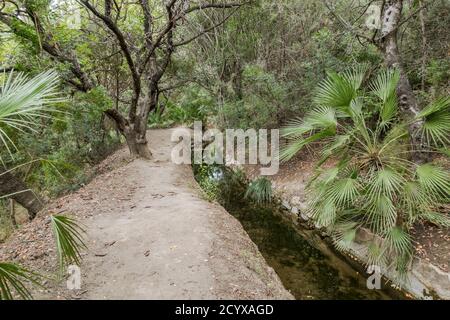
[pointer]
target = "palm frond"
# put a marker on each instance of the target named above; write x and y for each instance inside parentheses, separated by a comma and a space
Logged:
(324, 214)
(344, 234)
(385, 182)
(399, 243)
(389, 110)
(384, 86)
(343, 192)
(414, 200)
(436, 122)
(292, 148)
(22, 100)
(339, 143)
(336, 91)
(317, 125)
(434, 180)
(437, 218)
(319, 118)
(376, 255)
(13, 279)
(356, 75)
(381, 213)
(394, 142)
(69, 240)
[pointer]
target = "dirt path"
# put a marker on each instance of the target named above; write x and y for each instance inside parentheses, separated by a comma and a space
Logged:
(151, 235)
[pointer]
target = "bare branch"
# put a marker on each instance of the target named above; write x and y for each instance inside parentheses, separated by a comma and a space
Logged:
(185, 42)
(215, 5)
(126, 51)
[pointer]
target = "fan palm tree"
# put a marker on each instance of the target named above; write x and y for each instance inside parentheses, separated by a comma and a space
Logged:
(22, 102)
(374, 184)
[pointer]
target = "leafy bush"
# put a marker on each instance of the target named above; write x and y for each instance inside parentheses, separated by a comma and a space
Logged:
(208, 177)
(263, 103)
(72, 141)
(193, 105)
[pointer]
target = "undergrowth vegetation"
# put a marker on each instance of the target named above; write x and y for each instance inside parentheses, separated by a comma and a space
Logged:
(374, 184)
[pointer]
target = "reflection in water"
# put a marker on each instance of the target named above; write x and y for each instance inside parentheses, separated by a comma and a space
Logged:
(304, 270)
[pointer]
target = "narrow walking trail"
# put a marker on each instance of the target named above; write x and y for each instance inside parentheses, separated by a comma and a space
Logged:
(151, 235)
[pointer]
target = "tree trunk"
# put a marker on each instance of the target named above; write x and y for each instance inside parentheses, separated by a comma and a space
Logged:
(11, 185)
(134, 133)
(137, 143)
(392, 14)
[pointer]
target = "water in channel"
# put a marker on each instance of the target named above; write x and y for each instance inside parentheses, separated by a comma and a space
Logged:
(307, 272)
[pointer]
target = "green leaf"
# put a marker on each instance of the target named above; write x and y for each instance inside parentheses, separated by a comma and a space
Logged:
(385, 182)
(399, 243)
(14, 278)
(69, 240)
(260, 191)
(344, 234)
(434, 180)
(336, 91)
(292, 148)
(437, 218)
(381, 213)
(343, 192)
(436, 122)
(325, 214)
(385, 85)
(23, 100)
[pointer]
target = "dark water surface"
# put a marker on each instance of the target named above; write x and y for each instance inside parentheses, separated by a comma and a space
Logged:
(305, 271)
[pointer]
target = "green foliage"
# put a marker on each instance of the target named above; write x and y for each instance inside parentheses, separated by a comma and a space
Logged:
(69, 240)
(373, 184)
(436, 118)
(71, 142)
(193, 105)
(438, 72)
(260, 191)
(208, 177)
(13, 277)
(261, 104)
(23, 101)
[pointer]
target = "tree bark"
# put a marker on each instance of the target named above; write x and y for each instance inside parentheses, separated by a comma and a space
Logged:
(424, 45)
(12, 185)
(134, 133)
(392, 13)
